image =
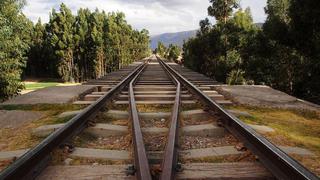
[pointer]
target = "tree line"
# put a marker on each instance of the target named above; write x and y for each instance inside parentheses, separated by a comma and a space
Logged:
(72, 48)
(284, 53)
(172, 52)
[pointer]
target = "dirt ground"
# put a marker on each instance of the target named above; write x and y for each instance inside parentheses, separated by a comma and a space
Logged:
(17, 118)
(263, 96)
(51, 95)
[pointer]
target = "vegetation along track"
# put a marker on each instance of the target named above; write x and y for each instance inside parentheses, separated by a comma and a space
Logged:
(178, 130)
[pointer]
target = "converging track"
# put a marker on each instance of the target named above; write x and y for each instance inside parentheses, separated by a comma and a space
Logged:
(155, 120)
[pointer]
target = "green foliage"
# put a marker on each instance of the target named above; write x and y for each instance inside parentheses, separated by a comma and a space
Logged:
(305, 33)
(39, 85)
(283, 54)
(15, 31)
(208, 53)
(85, 46)
(72, 48)
(62, 41)
(173, 52)
(161, 49)
(236, 77)
(222, 9)
(35, 53)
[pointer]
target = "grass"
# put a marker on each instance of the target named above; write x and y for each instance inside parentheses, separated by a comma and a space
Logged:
(39, 85)
(188, 107)
(299, 128)
(21, 138)
(154, 107)
(30, 86)
(58, 108)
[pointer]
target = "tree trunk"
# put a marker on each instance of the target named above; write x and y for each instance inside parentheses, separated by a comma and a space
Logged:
(224, 29)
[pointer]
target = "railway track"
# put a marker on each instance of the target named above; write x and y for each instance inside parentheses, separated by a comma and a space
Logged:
(155, 120)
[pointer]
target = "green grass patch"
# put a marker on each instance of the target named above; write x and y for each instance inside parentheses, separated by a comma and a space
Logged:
(59, 120)
(39, 85)
(300, 127)
(154, 107)
(44, 107)
(188, 107)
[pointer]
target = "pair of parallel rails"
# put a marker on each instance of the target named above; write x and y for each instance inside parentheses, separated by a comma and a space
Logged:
(275, 160)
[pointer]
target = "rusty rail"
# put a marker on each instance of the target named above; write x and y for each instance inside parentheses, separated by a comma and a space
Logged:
(35, 160)
(281, 165)
(170, 159)
(140, 155)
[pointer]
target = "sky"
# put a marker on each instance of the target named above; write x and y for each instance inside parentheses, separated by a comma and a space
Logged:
(157, 16)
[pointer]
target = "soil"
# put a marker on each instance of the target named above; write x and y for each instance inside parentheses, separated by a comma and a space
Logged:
(17, 118)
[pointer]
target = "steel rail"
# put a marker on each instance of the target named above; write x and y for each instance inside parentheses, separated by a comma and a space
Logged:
(170, 159)
(141, 163)
(35, 160)
(281, 165)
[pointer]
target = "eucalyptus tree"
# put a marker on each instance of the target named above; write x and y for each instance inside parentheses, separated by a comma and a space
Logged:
(36, 64)
(221, 10)
(81, 33)
(305, 28)
(205, 53)
(60, 29)
(173, 52)
(95, 44)
(161, 49)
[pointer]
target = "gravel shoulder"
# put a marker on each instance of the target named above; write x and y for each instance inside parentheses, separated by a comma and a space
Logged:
(264, 96)
(51, 95)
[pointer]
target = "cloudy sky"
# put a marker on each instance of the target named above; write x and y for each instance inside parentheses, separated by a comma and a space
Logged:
(158, 16)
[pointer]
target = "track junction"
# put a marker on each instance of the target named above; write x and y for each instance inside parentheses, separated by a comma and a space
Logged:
(168, 123)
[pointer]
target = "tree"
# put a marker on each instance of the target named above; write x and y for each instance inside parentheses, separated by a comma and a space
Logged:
(161, 49)
(205, 26)
(206, 52)
(61, 40)
(276, 25)
(305, 28)
(173, 52)
(284, 54)
(85, 46)
(96, 44)
(81, 31)
(222, 10)
(15, 31)
(36, 64)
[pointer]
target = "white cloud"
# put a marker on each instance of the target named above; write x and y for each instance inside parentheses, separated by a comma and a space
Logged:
(257, 9)
(158, 16)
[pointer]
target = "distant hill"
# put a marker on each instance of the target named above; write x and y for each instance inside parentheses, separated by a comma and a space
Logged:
(177, 37)
(172, 38)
